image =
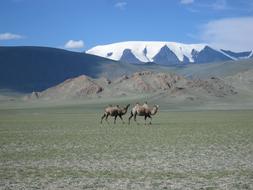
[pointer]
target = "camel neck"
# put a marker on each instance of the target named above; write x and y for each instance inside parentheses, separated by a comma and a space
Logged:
(154, 110)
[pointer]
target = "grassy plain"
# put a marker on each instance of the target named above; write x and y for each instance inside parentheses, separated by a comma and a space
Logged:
(65, 147)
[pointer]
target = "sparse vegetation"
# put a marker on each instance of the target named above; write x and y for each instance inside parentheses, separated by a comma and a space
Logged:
(67, 148)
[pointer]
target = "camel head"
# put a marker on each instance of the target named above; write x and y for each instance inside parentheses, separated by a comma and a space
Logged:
(124, 110)
(154, 109)
(127, 106)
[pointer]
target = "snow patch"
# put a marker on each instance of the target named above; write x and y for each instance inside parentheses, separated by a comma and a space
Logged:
(145, 51)
(250, 55)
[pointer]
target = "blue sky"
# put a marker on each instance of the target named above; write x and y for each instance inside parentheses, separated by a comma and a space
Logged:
(82, 24)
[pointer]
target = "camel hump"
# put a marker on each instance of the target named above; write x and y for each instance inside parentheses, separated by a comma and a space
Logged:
(145, 105)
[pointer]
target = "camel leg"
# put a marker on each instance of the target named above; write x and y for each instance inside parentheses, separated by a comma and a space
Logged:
(130, 117)
(150, 119)
(106, 118)
(145, 118)
(135, 118)
(121, 119)
(115, 117)
(102, 118)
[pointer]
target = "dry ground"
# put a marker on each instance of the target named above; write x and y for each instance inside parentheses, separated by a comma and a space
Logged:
(67, 148)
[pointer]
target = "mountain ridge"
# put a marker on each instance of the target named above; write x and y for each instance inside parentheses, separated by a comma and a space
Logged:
(165, 53)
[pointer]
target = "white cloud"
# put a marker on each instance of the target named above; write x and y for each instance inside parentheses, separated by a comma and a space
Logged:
(216, 5)
(219, 5)
(186, 2)
(121, 5)
(10, 36)
(231, 33)
(72, 44)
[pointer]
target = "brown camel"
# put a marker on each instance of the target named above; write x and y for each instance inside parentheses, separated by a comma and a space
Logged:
(143, 110)
(114, 111)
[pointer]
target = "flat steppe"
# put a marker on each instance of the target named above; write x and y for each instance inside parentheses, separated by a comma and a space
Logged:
(66, 147)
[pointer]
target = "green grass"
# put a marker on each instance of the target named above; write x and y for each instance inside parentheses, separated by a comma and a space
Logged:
(67, 148)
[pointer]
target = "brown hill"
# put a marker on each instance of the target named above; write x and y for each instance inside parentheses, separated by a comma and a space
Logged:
(81, 86)
(139, 83)
(147, 82)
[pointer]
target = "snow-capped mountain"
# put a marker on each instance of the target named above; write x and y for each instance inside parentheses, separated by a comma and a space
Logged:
(164, 53)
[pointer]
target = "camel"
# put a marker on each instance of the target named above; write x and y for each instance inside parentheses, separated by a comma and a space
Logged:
(114, 111)
(143, 110)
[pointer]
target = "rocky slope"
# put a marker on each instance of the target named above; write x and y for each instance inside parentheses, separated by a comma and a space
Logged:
(242, 80)
(81, 86)
(139, 83)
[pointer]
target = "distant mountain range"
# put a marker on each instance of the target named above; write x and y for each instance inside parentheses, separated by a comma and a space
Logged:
(28, 69)
(165, 53)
